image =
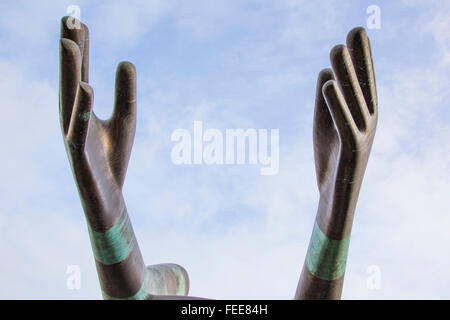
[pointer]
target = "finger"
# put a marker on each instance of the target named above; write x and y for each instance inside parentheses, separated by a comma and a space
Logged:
(85, 53)
(375, 111)
(79, 122)
(339, 110)
(70, 59)
(359, 47)
(73, 29)
(123, 121)
(124, 112)
(348, 82)
(322, 116)
(323, 126)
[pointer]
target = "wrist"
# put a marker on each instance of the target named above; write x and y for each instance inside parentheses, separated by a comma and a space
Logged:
(335, 214)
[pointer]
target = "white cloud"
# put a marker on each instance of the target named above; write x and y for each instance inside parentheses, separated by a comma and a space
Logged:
(438, 27)
(120, 26)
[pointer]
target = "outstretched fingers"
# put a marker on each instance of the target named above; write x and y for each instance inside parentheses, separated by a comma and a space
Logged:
(348, 82)
(359, 47)
(340, 111)
(81, 115)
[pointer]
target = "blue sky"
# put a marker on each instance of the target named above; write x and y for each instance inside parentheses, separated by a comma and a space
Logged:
(230, 64)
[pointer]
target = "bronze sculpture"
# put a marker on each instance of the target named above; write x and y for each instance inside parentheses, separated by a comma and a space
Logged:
(99, 150)
(345, 120)
(99, 158)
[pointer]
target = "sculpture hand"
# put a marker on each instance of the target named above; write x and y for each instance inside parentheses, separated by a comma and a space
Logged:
(99, 151)
(344, 127)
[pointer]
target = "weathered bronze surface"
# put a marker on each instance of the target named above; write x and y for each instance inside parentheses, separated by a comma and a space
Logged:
(345, 120)
(99, 150)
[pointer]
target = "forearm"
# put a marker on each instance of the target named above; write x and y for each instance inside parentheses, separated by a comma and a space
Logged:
(119, 263)
(121, 269)
(118, 259)
(323, 271)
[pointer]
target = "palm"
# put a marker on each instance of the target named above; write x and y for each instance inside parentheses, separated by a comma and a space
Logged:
(108, 150)
(107, 153)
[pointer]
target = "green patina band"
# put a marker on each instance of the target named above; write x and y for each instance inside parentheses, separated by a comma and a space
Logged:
(142, 294)
(326, 258)
(115, 244)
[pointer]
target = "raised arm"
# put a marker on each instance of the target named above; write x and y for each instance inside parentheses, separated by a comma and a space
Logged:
(345, 120)
(99, 151)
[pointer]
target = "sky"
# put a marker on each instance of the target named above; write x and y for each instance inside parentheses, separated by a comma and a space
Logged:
(230, 64)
